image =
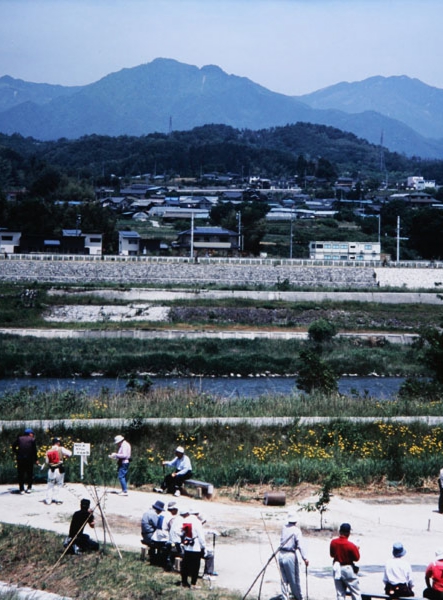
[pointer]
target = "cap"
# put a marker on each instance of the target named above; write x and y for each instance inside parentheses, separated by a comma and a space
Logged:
(118, 439)
(158, 505)
(172, 505)
(439, 554)
(345, 528)
(85, 503)
(28, 431)
(292, 517)
(180, 449)
(185, 511)
(398, 550)
(194, 511)
(56, 440)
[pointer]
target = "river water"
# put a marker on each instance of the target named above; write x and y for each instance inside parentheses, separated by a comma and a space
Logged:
(226, 387)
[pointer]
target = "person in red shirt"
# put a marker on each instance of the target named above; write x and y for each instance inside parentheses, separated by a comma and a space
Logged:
(434, 572)
(344, 554)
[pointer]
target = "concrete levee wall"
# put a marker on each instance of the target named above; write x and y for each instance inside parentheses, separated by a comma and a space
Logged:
(229, 272)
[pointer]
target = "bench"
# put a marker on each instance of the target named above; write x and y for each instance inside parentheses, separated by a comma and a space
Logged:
(203, 488)
(369, 596)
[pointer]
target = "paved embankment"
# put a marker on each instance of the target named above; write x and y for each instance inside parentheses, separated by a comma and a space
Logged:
(171, 334)
(121, 423)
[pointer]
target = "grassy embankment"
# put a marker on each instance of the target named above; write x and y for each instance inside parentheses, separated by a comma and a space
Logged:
(31, 558)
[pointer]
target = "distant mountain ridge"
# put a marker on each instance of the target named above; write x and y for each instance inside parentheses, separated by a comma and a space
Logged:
(166, 93)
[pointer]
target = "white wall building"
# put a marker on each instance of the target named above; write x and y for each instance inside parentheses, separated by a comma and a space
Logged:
(9, 240)
(419, 183)
(344, 251)
(128, 243)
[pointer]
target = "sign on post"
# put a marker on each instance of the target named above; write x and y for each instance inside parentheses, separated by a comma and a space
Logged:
(82, 450)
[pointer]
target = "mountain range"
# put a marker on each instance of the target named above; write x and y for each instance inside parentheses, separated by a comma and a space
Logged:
(403, 114)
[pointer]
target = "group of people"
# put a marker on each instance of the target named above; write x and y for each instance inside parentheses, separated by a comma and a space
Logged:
(25, 450)
(173, 532)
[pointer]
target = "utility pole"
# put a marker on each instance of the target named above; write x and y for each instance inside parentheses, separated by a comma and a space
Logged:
(398, 238)
(239, 231)
(192, 235)
(290, 239)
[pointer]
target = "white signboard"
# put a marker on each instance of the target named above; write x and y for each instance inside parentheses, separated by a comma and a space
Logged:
(82, 449)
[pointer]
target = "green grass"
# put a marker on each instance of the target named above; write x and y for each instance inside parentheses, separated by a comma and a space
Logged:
(30, 558)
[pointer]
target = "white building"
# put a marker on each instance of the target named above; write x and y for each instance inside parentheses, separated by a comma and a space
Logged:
(344, 251)
(419, 183)
(9, 240)
(128, 243)
(94, 243)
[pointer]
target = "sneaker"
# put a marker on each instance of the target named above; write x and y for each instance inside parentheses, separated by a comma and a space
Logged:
(177, 493)
(159, 490)
(22, 492)
(196, 587)
(47, 501)
(58, 501)
(122, 494)
(28, 491)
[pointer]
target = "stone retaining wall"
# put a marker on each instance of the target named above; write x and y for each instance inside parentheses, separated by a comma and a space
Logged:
(206, 272)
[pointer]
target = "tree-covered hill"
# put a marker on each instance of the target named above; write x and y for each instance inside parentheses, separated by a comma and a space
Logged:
(277, 152)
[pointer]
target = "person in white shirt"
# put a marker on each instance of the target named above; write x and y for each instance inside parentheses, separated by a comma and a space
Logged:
(174, 526)
(398, 574)
(193, 541)
(182, 471)
(56, 471)
(123, 458)
(291, 540)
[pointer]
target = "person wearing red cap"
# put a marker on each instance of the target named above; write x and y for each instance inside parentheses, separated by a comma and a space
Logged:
(25, 450)
(183, 470)
(344, 554)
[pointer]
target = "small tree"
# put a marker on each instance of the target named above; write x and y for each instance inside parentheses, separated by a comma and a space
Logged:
(315, 374)
(334, 479)
(321, 331)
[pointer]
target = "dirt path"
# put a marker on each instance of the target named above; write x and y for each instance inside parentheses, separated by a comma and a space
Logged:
(250, 531)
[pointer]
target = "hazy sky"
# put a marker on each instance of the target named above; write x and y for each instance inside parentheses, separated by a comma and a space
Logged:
(288, 46)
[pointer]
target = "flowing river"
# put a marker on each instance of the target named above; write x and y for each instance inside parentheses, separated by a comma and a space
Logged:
(382, 388)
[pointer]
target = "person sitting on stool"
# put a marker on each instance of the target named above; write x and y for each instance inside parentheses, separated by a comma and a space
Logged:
(183, 470)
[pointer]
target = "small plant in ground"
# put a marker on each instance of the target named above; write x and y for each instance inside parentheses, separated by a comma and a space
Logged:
(336, 478)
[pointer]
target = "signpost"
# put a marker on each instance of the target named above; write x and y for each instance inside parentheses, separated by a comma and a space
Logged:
(82, 450)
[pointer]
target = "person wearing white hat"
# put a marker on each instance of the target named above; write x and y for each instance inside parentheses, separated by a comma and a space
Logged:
(193, 541)
(434, 577)
(182, 471)
(398, 574)
(123, 458)
(291, 540)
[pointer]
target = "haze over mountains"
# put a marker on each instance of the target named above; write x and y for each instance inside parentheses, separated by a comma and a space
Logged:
(166, 93)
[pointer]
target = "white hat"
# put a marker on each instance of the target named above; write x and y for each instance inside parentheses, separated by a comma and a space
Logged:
(118, 439)
(180, 449)
(439, 554)
(185, 511)
(292, 517)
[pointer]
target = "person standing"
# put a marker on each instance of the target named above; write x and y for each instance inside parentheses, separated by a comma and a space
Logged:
(78, 539)
(183, 470)
(440, 498)
(175, 529)
(344, 553)
(123, 458)
(25, 450)
(291, 540)
(434, 578)
(398, 574)
(193, 541)
(56, 470)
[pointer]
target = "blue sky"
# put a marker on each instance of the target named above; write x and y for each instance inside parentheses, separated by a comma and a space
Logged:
(289, 46)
